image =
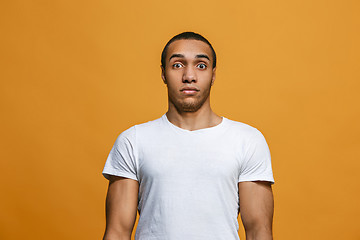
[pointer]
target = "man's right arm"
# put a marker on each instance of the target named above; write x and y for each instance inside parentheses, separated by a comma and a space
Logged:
(121, 208)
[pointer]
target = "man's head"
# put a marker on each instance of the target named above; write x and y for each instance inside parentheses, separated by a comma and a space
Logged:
(188, 70)
(189, 36)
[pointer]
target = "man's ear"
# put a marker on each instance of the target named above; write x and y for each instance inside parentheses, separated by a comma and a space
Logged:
(213, 76)
(163, 74)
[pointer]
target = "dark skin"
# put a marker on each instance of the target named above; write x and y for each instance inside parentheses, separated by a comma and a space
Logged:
(121, 208)
(188, 64)
(256, 209)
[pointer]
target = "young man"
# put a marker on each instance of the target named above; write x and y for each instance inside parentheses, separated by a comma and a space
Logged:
(190, 172)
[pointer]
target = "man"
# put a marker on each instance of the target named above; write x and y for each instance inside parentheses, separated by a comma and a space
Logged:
(190, 172)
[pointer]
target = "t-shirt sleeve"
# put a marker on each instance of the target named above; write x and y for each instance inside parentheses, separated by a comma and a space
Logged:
(256, 162)
(122, 158)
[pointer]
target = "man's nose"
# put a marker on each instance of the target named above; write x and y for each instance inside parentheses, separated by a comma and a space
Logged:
(189, 75)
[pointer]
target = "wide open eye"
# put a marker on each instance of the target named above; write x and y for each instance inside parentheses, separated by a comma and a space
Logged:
(201, 66)
(177, 65)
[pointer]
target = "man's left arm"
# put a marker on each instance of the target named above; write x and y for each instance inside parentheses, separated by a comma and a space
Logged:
(256, 209)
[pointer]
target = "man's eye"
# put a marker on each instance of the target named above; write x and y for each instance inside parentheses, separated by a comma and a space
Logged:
(201, 66)
(177, 65)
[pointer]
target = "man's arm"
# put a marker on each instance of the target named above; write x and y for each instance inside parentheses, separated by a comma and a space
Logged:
(121, 208)
(256, 209)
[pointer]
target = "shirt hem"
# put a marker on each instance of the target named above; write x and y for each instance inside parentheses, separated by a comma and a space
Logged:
(106, 173)
(257, 178)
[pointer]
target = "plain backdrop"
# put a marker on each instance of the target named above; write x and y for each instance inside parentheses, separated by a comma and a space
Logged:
(75, 74)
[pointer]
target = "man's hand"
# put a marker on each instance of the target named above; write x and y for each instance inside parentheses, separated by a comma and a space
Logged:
(121, 208)
(256, 209)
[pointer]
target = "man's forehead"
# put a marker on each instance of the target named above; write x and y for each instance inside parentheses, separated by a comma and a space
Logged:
(188, 48)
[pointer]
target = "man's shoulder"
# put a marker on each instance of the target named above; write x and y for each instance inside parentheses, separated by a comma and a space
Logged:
(245, 133)
(240, 127)
(131, 133)
(146, 126)
(149, 125)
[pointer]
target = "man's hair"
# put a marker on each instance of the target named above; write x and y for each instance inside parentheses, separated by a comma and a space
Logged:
(190, 36)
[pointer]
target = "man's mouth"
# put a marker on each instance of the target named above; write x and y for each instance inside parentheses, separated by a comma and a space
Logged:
(189, 90)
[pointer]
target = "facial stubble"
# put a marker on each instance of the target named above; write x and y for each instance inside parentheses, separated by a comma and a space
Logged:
(190, 103)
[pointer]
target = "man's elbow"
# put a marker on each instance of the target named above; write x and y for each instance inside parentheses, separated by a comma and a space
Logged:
(259, 230)
(115, 235)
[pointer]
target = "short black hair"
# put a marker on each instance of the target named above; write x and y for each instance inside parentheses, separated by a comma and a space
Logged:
(190, 36)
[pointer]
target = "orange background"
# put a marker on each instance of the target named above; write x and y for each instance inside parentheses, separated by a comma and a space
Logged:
(74, 74)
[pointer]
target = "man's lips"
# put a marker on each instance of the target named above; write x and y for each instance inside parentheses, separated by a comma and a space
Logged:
(189, 90)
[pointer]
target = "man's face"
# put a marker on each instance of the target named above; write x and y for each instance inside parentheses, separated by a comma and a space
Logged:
(188, 74)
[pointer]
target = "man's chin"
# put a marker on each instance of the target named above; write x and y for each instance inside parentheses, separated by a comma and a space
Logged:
(189, 106)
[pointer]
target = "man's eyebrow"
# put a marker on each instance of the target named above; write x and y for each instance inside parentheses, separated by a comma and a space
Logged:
(176, 55)
(202, 56)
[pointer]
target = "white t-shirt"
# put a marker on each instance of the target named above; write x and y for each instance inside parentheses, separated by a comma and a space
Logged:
(188, 180)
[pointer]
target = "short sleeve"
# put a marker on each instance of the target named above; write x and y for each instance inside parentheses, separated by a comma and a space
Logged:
(122, 158)
(256, 162)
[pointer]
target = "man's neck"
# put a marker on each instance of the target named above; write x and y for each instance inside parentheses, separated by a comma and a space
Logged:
(203, 118)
